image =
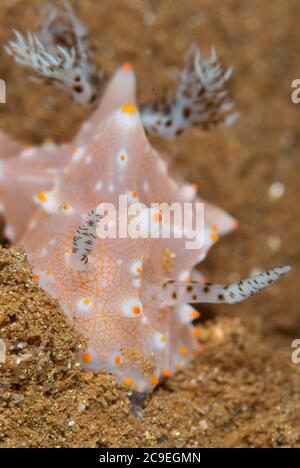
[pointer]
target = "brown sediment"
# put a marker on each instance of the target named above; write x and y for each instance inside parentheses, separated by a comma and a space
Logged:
(243, 389)
(134, 356)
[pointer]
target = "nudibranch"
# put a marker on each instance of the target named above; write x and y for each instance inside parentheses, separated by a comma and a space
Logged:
(132, 298)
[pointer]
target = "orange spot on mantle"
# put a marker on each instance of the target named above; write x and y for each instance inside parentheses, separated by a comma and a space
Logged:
(154, 380)
(42, 196)
(136, 310)
(129, 108)
(214, 236)
(118, 360)
(183, 350)
(126, 67)
(128, 381)
(194, 314)
(166, 372)
(86, 357)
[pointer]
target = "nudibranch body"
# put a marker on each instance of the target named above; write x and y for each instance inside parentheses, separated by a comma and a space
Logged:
(130, 297)
(114, 301)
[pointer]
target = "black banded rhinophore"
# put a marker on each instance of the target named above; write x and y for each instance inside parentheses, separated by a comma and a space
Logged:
(193, 292)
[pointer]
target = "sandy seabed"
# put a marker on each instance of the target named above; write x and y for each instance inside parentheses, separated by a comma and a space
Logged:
(243, 389)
